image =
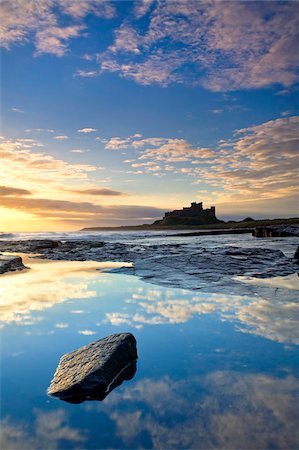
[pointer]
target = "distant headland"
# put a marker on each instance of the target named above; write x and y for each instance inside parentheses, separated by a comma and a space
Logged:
(195, 216)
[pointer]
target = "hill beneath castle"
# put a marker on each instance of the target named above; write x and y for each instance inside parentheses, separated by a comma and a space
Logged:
(196, 217)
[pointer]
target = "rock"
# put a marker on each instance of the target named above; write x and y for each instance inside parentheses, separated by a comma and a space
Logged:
(296, 255)
(10, 263)
(276, 231)
(185, 263)
(93, 371)
(28, 246)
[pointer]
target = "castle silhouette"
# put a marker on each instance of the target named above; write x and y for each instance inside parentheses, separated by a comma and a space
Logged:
(191, 215)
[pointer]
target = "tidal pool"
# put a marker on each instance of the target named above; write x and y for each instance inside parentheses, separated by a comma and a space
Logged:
(214, 371)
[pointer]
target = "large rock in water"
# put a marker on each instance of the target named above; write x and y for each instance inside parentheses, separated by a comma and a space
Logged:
(10, 263)
(92, 371)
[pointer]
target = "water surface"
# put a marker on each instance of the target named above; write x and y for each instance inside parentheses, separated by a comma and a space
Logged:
(214, 370)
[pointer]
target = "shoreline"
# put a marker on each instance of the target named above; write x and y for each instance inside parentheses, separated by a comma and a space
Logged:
(232, 226)
(193, 264)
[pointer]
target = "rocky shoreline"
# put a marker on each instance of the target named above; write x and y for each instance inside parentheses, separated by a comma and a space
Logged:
(10, 263)
(185, 264)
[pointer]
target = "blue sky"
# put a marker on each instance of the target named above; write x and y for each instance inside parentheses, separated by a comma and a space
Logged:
(113, 112)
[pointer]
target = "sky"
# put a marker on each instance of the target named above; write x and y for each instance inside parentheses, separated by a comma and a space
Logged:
(114, 112)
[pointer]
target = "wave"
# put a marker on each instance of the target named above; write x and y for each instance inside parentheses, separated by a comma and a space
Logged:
(7, 235)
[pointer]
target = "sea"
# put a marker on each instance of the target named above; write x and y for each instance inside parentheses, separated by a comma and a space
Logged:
(215, 370)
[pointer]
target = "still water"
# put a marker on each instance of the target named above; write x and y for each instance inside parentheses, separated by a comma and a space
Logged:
(214, 371)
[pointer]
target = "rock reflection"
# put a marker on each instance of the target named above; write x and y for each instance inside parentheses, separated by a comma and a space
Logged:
(46, 284)
(98, 394)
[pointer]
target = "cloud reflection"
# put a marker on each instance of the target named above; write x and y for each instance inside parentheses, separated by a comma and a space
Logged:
(219, 410)
(50, 431)
(46, 284)
(276, 319)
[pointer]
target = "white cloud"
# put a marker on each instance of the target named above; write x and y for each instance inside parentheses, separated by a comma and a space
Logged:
(87, 130)
(48, 430)
(55, 39)
(260, 162)
(117, 143)
(275, 319)
(22, 164)
(87, 332)
(87, 73)
(79, 150)
(61, 325)
(219, 409)
(17, 110)
(217, 111)
(28, 295)
(61, 137)
(23, 20)
(244, 45)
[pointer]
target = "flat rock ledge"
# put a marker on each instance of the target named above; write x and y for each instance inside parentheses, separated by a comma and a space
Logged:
(276, 231)
(93, 371)
(10, 263)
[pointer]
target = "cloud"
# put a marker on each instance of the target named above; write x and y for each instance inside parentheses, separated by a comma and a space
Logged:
(217, 111)
(79, 150)
(6, 191)
(61, 138)
(87, 332)
(262, 410)
(142, 7)
(244, 45)
(24, 170)
(46, 208)
(28, 295)
(42, 206)
(87, 130)
(23, 20)
(50, 430)
(61, 325)
(259, 162)
(275, 318)
(55, 39)
(39, 130)
(17, 110)
(100, 8)
(87, 73)
(21, 161)
(98, 191)
(116, 143)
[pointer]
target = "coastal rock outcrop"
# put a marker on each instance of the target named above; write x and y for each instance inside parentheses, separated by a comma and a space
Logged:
(9, 263)
(93, 371)
(276, 231)
(28, 246)
(179, 261)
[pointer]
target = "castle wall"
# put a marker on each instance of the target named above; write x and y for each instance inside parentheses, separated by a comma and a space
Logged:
(195, 213)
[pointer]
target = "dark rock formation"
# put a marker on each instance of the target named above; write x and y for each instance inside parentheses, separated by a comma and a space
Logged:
(276, 231)
(93, 371)
(10, 263)
(47, 246)
(32, 246)
(296, 255)
(187, 264)
(248, 219)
